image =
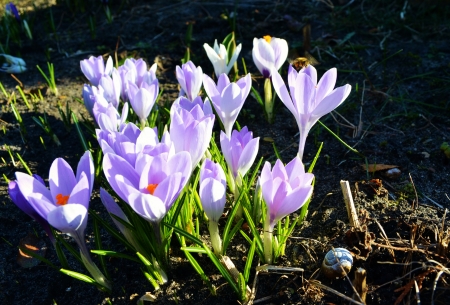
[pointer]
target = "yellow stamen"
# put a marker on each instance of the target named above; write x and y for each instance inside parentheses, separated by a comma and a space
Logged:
(267, 38)
(61, 199)
(151, 188)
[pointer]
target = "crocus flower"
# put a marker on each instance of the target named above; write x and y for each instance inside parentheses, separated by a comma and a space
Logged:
(219, 57)
(94, 68)
(11, 9)
(143, 99)
(112, 86)
(269, 53)
(285, 190)
(65, 205)
(109, 118)
(24, 205)
(309, 100)
(11, 64)
(213, 186)
(191, 129)
(135, 71)
(239, 151)
(152, 189)
(190, 78)
(227, 98)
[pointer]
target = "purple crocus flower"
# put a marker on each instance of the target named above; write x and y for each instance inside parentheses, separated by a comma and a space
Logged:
(94, 68)
(135, 71)
(269, 53)
(112, 86)
(109, 118)
(285, 190)
(143, 99)
(152, 189)
(24, 205)
(190, 78)
(227, 98)
(65, 205)
(308, 100)
(191, 128)
(239, 150)
(11, 9)
(213, 186)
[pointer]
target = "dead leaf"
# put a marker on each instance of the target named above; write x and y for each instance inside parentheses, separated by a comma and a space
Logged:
(377, 167)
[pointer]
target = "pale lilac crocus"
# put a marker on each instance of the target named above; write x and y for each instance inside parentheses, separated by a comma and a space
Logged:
(269, 53)
(65, 205)
(151, 188)
(227, 98)
(308, 100)
(109, 118)
(112, 86)
(143, 99)
(219, 57)
(190, 79)
(135, 71)
(213, 186)
(190, 127)
(94, 68)
(239, 151)
(285, 189)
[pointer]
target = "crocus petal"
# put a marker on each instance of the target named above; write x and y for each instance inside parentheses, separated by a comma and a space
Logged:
(231, 106)
(326, 84)
(282, 92)
(331, 101)
(294, 201)
(248, 156)
(80, 193)
(61, 178)
(86, 165)
(69, 218)
(115, 166)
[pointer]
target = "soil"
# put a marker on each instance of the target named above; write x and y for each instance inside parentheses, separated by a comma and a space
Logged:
(397, 114)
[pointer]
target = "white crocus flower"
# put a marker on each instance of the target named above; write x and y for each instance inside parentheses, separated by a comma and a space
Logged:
(11, 64)
(219, 57)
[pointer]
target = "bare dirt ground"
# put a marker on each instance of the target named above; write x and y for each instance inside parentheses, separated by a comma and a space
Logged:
(397, 114)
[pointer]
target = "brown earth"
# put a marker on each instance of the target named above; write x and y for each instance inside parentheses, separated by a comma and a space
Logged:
(398, 114)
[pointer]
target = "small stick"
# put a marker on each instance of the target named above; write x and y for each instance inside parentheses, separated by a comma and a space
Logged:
(320, 285)
(415, 204)
(351, 210)
(360, 284)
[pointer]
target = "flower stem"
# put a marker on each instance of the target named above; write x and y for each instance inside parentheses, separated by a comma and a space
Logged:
(268, 101)
(268, 231)
(216, 241)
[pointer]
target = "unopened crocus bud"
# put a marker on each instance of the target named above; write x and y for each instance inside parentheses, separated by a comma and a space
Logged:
(212, 196)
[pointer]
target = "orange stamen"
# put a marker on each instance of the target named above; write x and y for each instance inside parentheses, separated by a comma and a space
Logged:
(151, 188)
(267, 38)
(61, 199)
